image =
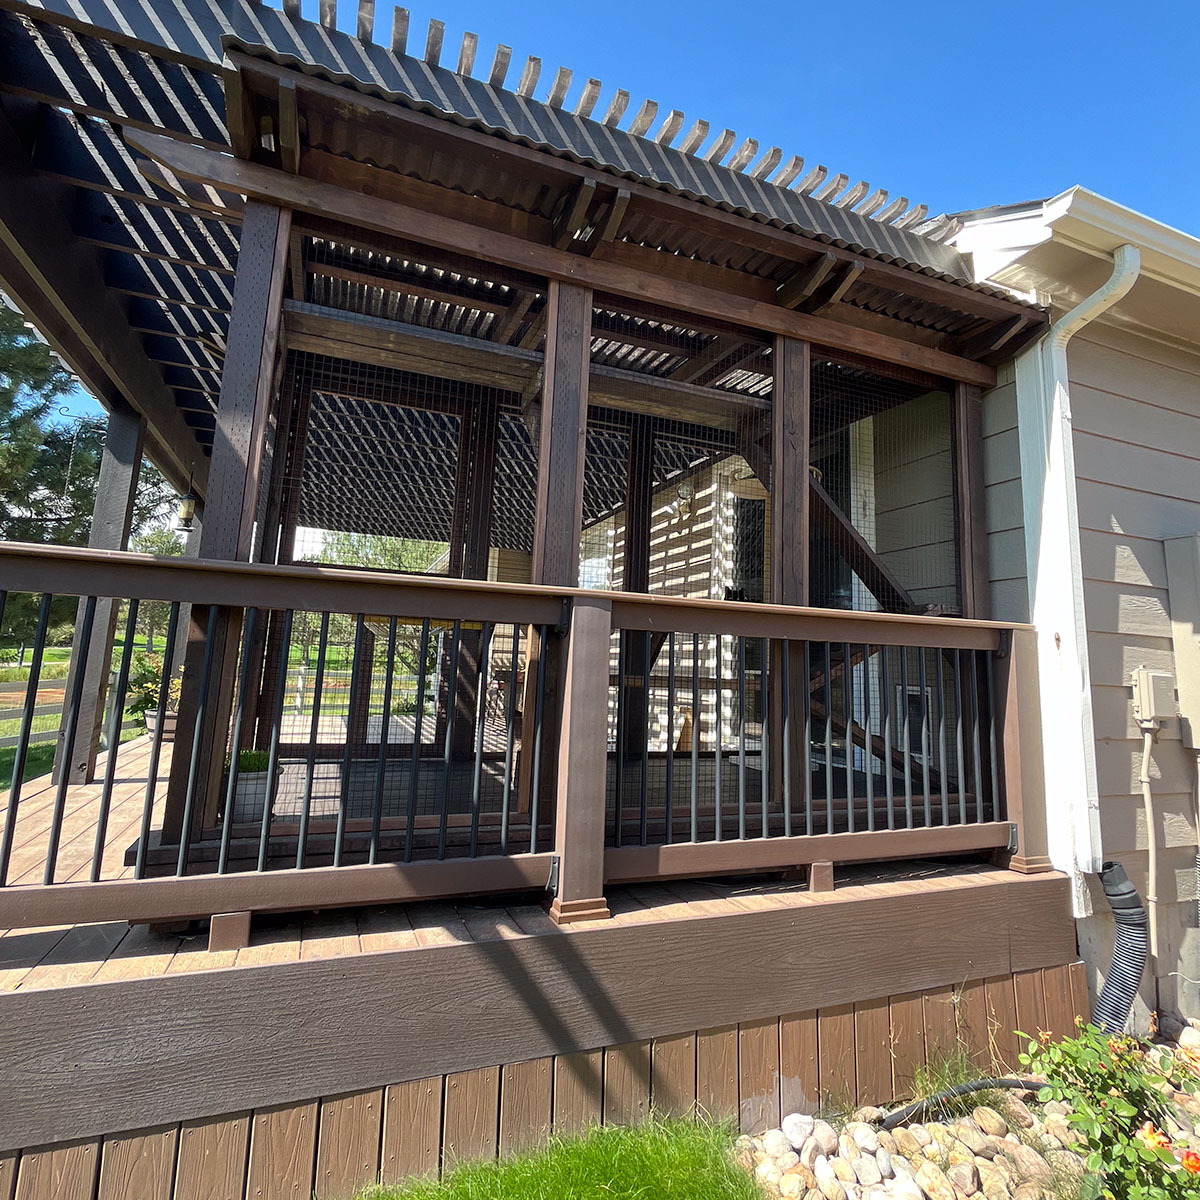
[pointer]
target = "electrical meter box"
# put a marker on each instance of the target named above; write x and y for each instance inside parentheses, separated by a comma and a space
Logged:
(1154, 696)
(1183, 580)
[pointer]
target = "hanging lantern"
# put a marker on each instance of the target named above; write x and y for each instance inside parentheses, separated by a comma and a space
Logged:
(187, 509)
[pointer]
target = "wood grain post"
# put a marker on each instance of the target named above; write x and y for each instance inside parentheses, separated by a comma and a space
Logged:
(970, 502)
(790, 536)
(1019, 744)
(112, 520)
(559, 514)
(583, 765)
(247, 383)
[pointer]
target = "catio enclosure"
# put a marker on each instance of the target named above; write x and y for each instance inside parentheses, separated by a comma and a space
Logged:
(572, 506)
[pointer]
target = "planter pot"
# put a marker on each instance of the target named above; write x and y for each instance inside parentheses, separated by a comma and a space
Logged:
(250, 796)
(168, 724)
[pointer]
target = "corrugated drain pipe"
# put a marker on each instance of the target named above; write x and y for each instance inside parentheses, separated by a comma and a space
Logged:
(1130, 950)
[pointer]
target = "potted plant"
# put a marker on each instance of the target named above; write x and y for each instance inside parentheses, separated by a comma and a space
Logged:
(145, 689)
(250, 792)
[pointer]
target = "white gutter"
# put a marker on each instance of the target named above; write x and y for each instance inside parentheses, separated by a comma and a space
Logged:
(1056, 583)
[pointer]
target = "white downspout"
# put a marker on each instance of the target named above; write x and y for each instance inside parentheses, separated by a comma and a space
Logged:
(1056, 582)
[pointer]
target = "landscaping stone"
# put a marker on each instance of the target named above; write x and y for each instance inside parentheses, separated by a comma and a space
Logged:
(990, 1121)
(797, 1128)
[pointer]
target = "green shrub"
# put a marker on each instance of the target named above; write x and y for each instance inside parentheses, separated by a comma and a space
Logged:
(1115, 1087)
(660, 1160)
(145, 684)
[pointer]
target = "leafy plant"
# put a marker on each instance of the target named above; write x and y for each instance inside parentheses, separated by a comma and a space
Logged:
(145, 684)
(1115, 1087)
(250, 762)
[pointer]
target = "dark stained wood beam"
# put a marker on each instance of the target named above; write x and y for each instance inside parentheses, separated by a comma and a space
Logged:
(509, 321)
(59, 284)
(992, 338)
(424, 128)
(457, 236)
(797, 288)
(572, 214)
(826, 297)
(407, 287)
(789, 477)
(854, 548)
(970, 501)
(608, 228)
(287, 131)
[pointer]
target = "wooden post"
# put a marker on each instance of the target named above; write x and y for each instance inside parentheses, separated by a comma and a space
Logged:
(112, 520)
(970, 501)
(790, 535)
(247, 382)
(582, 766)
(559, 514)
(1019, 745)
(639, 485)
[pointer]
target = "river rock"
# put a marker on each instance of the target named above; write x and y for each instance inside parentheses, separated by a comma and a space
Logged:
(971, 1136)
(990, 1121)
(883, 1160)
(767, 1173)
(906, 1189)
(964, 1177)
(843, 1170)
(867, 1171)
(797, 1128)
(869, 1113)
(786, 1161)
(906, 1142)
(921, 1134)
(826, 1136)
(934, 1183)
(775, 1143)
(847, 1148)
(1018, 1113)
(1030, 1191)
(887, 1140)
(828, 1182)
(1056, 1108)
(792, 1187)
(1029, 1164)
(810, 1152)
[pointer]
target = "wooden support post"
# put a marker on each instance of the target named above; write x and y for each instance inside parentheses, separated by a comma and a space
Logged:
(1019, 744)
(639, 486)
(112, 519)
(970, 503)
(582, 766)
(559, 514)
(247, 383)
(229, 931)
(790, 535)
(820, 877)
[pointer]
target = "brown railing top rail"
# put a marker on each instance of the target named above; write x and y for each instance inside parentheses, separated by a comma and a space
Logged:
(78, 571)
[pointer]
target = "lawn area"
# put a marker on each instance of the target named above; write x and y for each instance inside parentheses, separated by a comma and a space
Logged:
(38, 761)
(662, 1160)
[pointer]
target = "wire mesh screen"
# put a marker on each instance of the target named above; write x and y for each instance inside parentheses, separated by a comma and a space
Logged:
(883, 508)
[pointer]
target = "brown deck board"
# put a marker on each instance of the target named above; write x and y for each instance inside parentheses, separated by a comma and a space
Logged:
(673, 1075)
(412, 1129)
(526, 1104)
(578, 1091)
(212, 1158)
(348, 1144)
(799, 1073)
(66, 1172)
(140, 1165)
(471, 1115)
(282, 1145)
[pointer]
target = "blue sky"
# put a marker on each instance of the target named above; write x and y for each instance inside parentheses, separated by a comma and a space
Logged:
(955, 105)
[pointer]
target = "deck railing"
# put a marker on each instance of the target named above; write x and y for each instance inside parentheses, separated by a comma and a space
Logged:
(351, 737)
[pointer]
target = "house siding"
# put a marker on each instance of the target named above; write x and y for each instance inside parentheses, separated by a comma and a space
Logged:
(1008, 579)
(1136, 421)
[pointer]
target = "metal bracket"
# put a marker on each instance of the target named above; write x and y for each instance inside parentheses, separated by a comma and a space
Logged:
(1012, 838)
(552, 882)
(564, 619)
(1004, 649)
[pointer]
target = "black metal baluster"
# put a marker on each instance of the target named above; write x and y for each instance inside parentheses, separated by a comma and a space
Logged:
(22, 747)
(389, 678)
(940, 696)
(828, 738)
(509, 740)
(976, 761)
(539, 716)
(785, 729)
(622, 718)
(925, 742)
(741, 701)
(670, 812)
(314, 732)
(886, 701)
(356, 699)
(807, 756)
(695, 734)
(71, 728)
(958, 738)
(848, 698)
(238, 718)
(718, 815)
(115, 718)
(993, 761)
(764, 714)
(485, 648)
(448, 743)
(645, 736)
(868, 738)
(264, 832)
(418, 723)
(906, 734)
(164, 686)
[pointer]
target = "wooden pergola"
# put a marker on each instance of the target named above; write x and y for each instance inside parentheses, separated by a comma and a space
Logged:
(248, 233)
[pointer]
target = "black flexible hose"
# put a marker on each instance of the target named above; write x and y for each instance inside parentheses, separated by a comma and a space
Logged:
(918, 1107)
(1130, 950)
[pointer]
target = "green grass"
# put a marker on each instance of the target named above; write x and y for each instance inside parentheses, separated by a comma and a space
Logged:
(38, 760)
(660, 1160)
(946, 1070)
